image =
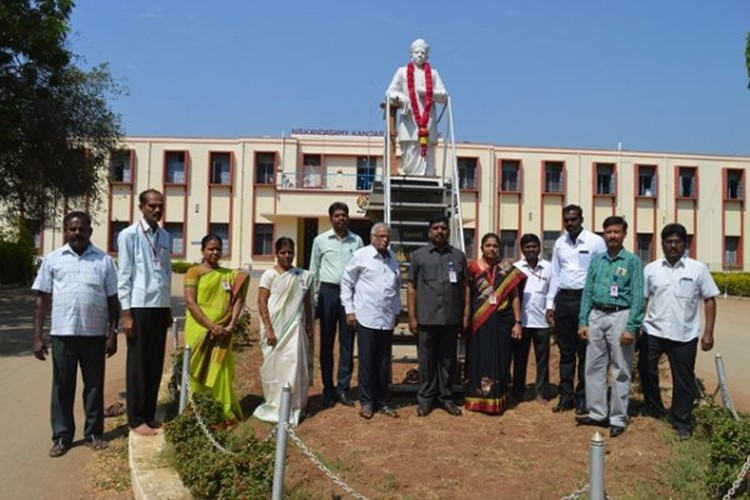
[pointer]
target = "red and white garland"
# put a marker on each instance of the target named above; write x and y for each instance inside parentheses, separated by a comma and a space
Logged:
(421, 118)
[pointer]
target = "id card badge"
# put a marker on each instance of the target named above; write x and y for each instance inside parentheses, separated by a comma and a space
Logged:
(613, 290)
(157, 263)
(303, 283)
(226, 285)
(452, 277)
(493, 299)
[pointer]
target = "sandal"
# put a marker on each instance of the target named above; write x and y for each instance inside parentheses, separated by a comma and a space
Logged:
(389, 412)
(60, 448)
(365, 413)
(114, 409)
(95, 443)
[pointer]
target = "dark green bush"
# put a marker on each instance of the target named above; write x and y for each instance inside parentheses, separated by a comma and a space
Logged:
(209, 473)
(730, 448)
(734, 283)
(181, 266)
(17, 258)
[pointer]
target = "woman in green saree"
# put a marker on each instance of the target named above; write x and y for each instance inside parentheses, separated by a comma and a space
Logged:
(214, 297)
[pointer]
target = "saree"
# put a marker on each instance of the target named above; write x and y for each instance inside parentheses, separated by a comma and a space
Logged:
(212, 360)
(488, 351)
(290, 360)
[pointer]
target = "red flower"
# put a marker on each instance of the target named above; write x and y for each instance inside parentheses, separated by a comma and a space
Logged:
(420, 118)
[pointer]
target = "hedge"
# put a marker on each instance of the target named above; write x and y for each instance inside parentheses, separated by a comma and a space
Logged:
(735, 283)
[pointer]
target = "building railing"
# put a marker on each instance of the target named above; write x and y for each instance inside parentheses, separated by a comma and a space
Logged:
(336, 181)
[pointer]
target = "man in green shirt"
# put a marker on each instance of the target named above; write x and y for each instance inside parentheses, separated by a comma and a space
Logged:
(611, 315)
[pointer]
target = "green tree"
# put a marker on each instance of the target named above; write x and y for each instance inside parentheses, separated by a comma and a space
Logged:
(747, 58)
(56, 126)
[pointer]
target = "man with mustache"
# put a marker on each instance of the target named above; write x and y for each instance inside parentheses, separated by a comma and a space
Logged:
(81, 282)
(675, 287)
(144, 287)
(611, 315)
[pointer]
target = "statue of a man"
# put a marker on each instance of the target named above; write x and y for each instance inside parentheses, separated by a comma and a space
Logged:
(417, 88)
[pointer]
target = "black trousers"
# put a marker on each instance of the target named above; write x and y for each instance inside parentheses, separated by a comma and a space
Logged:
(332, 315)
(520, 350)
(67, 354)
(681, 356)
(436, 352)
(374, 349)
(572, 348)
(145, 362)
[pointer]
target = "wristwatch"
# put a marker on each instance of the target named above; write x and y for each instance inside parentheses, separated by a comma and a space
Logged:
(518, 321)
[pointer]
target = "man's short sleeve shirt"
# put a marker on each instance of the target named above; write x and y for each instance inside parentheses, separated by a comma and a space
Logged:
(675, 293)
(80, 285)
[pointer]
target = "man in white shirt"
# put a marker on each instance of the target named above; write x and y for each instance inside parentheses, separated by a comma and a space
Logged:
(370, 295)
(144, 288)
(81, 282)
(533, 321)
(571, 257)
(674, 288)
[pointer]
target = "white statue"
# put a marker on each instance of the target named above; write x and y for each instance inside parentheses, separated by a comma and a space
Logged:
(417, 89)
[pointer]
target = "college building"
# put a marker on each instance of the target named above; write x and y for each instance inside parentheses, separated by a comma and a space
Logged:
(252, 191)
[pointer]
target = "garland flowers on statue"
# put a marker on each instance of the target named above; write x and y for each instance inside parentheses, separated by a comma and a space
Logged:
(421, 118)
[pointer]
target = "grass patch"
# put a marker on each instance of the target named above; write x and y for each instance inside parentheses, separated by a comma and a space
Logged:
(109, 469)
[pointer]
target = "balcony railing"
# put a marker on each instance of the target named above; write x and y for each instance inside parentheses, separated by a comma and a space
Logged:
(337, 181)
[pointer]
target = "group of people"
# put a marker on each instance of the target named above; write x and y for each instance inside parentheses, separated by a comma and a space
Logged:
(594, 295)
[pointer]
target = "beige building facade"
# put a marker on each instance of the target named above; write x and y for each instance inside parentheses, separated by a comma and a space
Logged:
(252, 191)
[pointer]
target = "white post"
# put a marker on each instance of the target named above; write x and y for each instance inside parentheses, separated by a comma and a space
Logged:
(185, 377)
(596, 468)
(278, 467)
(174, 335)
(723, 387)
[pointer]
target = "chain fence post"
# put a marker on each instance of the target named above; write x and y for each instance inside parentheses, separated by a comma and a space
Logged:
(596, 468)
(278, 467)
(175, 339)
(723, 386)
(185, 379)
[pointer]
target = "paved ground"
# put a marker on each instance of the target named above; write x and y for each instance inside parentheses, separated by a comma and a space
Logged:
(28, 473)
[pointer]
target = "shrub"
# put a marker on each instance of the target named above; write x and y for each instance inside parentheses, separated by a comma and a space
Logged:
(210, 473)
(181, 266)
(730, 448)
(17, 259)
(735, 284)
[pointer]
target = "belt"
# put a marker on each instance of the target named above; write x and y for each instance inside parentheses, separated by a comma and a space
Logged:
(335, 286)
(610, 309)
(569, 292)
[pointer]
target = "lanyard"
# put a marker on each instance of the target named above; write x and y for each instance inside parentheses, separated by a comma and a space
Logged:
(152, 244)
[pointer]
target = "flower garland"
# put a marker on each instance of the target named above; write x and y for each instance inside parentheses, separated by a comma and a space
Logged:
(420, 118)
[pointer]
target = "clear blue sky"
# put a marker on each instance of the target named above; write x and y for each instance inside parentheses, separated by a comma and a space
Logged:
(655, 75)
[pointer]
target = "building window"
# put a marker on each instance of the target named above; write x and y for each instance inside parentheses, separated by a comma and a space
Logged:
(469, 237)
(175, 167)
(221, 168)
(365, 172)
(548, 243)
(510, 175)
(221, 229)
(312, 171)
(688, 246)
(735, 186)
(263, 240)
(120, 167)
(467, 173)
(605, 179)
(508, 242)
(686, 183)
(176, 237)
(644, 247)
(115, 228)
(731, 252)
(265, 168)
(553, 177)
(647, 180)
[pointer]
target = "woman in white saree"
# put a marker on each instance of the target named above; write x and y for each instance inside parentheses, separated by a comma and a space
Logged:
(285, 305)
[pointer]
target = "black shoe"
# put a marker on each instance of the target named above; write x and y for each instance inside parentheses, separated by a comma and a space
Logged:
(684, 435)
(329, 402)
(365, 412)
(451, 408)
(562, 406)
(345, 399)
(424, 409)
(616, 430)
(60, 448)
(581, 409)
(592, 421)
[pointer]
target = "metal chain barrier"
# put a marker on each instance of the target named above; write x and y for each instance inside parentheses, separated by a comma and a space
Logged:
(200, 421)
(328, 472)
(577, 493)
(737, 482)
